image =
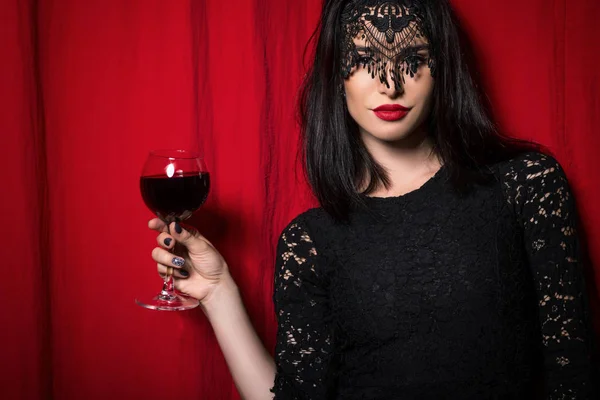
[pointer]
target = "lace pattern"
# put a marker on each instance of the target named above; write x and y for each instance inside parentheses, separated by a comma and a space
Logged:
(304, 344)
(389, 31)
(539, 192)
(539, 204)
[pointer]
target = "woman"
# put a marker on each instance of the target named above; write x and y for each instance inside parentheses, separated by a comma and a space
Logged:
(443, 261)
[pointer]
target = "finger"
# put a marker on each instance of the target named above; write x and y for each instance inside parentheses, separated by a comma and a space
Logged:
(162, 256)
(190, 238)
(165, 240)
(177, 272)
(157, 224)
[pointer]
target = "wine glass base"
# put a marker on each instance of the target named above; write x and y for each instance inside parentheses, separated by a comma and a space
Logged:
(170, 303)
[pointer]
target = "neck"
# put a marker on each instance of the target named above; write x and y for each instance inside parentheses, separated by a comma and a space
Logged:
(408, 162)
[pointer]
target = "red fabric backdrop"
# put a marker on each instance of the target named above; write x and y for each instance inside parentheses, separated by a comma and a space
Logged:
(89, 87)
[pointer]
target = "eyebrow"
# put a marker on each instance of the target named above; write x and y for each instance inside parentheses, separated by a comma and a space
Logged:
(416, 48)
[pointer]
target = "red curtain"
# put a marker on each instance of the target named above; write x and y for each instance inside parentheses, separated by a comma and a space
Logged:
(89, 87)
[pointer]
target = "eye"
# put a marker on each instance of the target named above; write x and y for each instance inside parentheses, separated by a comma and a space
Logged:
(415, 59)
(413, 62)
(364, 59)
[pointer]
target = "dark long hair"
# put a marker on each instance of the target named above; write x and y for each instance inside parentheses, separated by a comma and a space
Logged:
(464, 136)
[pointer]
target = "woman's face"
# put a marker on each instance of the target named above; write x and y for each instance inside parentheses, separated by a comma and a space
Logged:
(391, 112)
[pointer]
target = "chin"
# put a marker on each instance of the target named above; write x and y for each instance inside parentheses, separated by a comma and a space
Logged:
(390, 134)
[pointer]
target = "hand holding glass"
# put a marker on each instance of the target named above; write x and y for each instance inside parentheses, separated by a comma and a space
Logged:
(174, 184)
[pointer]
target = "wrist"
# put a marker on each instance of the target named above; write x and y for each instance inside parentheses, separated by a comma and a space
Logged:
(222, 297)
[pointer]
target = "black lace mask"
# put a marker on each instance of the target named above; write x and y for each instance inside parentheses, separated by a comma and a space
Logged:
(389, 29)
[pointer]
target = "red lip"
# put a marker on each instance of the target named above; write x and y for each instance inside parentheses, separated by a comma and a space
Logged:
(391, 107)
(391, 112)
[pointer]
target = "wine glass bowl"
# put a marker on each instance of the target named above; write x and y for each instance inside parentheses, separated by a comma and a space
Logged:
(174, 184)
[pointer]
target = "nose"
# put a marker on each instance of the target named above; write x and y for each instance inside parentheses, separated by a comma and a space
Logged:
(388, 87)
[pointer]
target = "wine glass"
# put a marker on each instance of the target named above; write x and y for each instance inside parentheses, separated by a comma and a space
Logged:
(174, 184)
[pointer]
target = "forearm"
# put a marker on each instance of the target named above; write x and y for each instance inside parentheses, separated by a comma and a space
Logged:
(251, 366)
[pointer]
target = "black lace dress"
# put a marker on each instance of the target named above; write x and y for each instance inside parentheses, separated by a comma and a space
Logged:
(432, 295)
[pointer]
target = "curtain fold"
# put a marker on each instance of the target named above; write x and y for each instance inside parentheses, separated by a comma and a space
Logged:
(89, 87)
(26, 316)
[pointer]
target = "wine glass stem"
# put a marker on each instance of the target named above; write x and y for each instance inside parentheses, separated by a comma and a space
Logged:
(168, 290)
(168, 286)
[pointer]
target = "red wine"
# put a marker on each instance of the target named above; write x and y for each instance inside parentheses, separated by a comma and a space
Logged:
(176, 198)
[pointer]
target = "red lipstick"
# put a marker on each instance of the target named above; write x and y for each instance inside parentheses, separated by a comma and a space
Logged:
(391, 112)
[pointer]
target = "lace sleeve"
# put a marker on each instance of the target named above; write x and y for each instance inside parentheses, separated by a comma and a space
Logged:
(304, 341)
(540, 194)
